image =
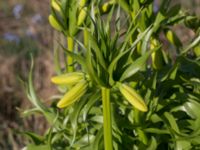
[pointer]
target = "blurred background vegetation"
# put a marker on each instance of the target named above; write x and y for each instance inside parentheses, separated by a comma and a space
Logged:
(24, 29)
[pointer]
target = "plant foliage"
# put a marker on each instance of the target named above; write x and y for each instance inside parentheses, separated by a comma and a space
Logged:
(135, 91)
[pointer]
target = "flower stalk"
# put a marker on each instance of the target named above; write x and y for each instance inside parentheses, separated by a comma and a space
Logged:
(70, 44)
(107, 124)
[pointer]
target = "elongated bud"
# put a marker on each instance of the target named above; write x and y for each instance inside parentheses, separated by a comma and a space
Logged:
(74, 94)
(82, 3)
(157, 57)
(68, 79)
(197, 50)
(54, 23)
(133, 97)
(55, 5)
(82, 15)
(173, 39)
(106, 7)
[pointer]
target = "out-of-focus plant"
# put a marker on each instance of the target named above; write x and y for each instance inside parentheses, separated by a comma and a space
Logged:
(125, 89)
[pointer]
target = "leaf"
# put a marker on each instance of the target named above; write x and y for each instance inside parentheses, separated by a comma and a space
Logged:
(30, 111)
(31, 91)
(192, 109)
(83, 141)
(74, 55)
(38, 147)
(153, 144)
(49, 115)
(91, 101)
(35, 138)
(124, 5)
(172, 122)
(156, 131)
(189, 67)
(98, 140)
(77, 108)
(90, 68)
(183, 144)
(173, 11)
(147, 37)
(191, 45)
(159, 18)
(97, 51)
(137, 65)
(112, 65)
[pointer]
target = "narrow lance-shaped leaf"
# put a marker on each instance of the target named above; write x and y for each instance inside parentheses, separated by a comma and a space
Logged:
(112, 65)
(33, 97)
(137, 65)
(75, 56)
(94, 45)
(190, 46)
(172, 122)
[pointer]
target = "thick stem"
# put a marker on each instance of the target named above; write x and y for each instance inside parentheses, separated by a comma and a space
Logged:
(107, 124)
(70, 45)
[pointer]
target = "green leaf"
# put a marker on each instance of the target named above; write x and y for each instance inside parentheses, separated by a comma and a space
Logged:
(76, 56)
(91, 101)
(183, 145)
(74, 116)
(137, 65)
(31, 91)
(122, 52)
(192, 109)
(35, 138)
(191, 45)
(173, 11)
(38, 147)
(156, 131)
(172, 122)
(153, 144)
(83, 141)
(97, 50)
(97, 144)
(124, 5)
(189, 66)
(30, 112)
(50, 115)
(90, 68)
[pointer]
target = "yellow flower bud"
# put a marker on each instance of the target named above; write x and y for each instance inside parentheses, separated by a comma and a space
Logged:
(73, 94)
(133, 97)
(54, 23)
(55, 5)
(157, 56)
(82, 3)
(68, 79)
(82, 15)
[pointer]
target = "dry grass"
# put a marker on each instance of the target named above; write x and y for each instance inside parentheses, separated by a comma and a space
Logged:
(16, 63)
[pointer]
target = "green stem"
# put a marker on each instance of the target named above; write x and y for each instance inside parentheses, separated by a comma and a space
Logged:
(85, 35)
(107, 125)
(70, 44)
